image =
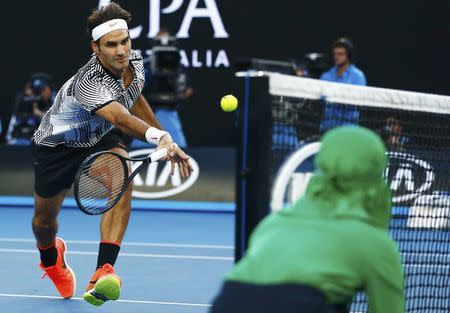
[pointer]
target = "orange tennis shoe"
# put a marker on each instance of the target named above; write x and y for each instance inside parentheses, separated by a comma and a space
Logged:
(105, 285)
(61, 274)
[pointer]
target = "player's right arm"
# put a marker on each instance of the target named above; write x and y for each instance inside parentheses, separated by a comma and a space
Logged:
(131, 125)
(119, 116)
(385, 281)
(97, 97)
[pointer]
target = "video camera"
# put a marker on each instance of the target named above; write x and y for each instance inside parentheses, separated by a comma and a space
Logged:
(165, 88)
(315, 64)
(282, 67)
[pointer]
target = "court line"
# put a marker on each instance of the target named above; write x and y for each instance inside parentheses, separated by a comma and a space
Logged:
(139, 204)
(12, 295)
(177, 256)
(129, 243)
(142, 255)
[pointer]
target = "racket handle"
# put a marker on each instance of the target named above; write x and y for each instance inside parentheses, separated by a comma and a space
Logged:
(157, 155)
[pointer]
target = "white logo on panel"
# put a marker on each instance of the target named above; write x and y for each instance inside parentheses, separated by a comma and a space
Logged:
(158, 177)
(196, 9)
(286, 176)
(411, 177)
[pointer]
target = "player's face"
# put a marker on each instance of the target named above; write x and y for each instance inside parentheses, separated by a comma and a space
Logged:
(340, 56)
(113, 51)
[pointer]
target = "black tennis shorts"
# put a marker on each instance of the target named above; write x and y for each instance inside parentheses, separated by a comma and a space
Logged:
(238, 297)
(55, 167)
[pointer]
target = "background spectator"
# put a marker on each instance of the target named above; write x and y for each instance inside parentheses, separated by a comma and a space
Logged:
(41, 84)
(344, 72)
(30, 106)
(393, 134)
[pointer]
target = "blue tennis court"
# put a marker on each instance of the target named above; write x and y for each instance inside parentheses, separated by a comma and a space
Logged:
(169, 261)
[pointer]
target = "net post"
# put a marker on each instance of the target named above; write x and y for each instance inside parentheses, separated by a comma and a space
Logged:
(254, 157)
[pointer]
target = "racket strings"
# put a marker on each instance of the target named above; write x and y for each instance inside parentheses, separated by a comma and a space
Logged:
(98, 194)
(101, 181)
(100, 173)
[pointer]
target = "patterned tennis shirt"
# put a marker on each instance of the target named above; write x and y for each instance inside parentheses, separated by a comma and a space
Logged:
(71, 120)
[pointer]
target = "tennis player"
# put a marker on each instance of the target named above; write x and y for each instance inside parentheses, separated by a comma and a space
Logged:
(316, 255)
(90, 113)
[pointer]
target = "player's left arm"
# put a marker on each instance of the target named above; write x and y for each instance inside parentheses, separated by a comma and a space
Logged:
(142, 110)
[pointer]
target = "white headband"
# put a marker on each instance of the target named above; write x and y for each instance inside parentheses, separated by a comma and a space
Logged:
(107, 27)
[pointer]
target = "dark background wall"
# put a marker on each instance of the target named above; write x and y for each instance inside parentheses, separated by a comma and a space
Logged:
(400, 44)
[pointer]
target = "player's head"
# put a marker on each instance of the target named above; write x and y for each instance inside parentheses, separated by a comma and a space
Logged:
(350, 164)
(342, 49)
(108, 28)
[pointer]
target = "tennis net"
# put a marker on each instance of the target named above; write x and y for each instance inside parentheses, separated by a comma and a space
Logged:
(283, 113)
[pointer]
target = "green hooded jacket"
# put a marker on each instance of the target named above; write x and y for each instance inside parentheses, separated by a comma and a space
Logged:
(334, 238)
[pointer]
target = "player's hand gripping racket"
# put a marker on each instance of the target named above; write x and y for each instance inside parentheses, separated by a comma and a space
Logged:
(103, 177)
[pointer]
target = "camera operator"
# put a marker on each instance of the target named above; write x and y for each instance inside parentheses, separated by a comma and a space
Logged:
(166, 85)
(42, 89)
(30, 106)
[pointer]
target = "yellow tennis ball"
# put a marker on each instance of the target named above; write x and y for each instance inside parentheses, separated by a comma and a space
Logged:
(229, 103)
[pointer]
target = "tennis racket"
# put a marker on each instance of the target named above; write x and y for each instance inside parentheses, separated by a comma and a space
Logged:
(103, 178)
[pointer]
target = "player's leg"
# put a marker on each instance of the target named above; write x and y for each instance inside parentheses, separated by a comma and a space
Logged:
(52, 249)
(45, 222)
(54, 171)
(115, 221)
(105, 283)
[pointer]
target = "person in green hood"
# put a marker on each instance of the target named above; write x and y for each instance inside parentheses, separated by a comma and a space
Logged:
(333, 242)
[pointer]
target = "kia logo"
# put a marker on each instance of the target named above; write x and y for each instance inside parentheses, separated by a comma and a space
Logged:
(156, 182)
(286, 176)
(408, 177)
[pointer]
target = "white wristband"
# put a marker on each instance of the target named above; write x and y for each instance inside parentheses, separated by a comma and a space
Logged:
(153, 135)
